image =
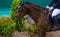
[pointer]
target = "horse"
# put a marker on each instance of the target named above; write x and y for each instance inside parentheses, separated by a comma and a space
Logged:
(38, 14)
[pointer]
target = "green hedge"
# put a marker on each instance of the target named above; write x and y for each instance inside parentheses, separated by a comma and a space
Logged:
(14, 7)
(7, 26)
(14, 10)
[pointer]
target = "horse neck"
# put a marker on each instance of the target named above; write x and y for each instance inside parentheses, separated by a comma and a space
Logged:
(34, 12)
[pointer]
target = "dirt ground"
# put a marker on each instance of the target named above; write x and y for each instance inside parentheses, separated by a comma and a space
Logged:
(25, 34)
(20, 34)
(53, 34)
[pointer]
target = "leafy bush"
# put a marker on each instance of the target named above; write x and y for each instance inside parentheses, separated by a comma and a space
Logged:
(21, 26)
(7, 26)
(14, 8)
(33, 29)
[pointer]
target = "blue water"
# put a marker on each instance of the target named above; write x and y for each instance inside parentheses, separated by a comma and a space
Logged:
(5, 12)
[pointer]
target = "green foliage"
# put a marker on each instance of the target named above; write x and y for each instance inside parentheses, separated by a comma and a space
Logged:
(7, 26)
(14, 7)
(33, 29)
(21, 26)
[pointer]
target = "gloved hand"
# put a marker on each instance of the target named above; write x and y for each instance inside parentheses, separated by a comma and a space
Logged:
(50, 8)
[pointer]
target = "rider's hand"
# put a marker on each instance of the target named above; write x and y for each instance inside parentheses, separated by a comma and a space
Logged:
(50, 8)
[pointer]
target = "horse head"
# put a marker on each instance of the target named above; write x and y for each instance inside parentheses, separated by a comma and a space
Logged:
(21, 11)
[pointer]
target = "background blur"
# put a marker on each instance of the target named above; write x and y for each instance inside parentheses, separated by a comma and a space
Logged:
(42, 3)
(5, 5)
